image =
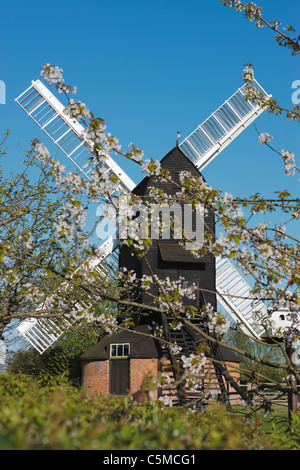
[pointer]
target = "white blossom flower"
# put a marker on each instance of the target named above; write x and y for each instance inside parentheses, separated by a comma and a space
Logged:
(163, 379)
(289, 161)
(280, 233)
(108, 322)
(193, 363)
(167, 401)
(248, 74)
(52, 73)
(28, 244)
(77, 110)
(264, 138)
(215, 322)
(152, 167)
(175, 349)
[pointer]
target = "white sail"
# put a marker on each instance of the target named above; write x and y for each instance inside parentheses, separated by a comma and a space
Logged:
(211, 137)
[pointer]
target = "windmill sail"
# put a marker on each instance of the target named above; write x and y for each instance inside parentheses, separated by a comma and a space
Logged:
(66, 132)
(41, 333)
(211, 137)
(201, 146)
(234, 294)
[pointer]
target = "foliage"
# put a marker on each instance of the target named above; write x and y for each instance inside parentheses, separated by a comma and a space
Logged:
(252, 370)
(64, 357)
(284, 36)
(75, 342)
(52, 364)
(34, 257)
(28, 362)
(60, 417)
(289, 440)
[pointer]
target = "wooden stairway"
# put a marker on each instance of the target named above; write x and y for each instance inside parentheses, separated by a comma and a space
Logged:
(215, 380)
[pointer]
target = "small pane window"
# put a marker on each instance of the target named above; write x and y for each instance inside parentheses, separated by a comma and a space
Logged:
(119, 350)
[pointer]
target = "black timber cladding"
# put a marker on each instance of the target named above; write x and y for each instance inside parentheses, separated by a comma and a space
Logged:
(142, 345)
(166, 257)
(175, 253)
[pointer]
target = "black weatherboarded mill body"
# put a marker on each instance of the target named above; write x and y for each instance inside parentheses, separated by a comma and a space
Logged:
(166, 258)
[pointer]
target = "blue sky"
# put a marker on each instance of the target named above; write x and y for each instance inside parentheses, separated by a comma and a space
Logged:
(151, 68)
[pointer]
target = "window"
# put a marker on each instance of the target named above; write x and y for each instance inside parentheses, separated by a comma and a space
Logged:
(119, 350)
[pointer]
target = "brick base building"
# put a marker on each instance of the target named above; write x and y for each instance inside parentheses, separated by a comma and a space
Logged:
(122, 363)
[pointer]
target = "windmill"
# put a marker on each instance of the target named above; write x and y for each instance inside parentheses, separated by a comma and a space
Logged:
(203, 145)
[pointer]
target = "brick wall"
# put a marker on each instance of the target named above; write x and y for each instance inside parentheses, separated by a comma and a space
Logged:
(140, 369)
(95, 377)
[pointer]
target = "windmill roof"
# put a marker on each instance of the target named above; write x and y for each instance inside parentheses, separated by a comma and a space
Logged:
(175, 161)
(142, 345)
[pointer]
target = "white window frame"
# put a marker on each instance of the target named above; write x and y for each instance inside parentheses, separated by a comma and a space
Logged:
(119, 350)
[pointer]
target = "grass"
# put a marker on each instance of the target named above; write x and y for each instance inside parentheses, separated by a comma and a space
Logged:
(278, 417)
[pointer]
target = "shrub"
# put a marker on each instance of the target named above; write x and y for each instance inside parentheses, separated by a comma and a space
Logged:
(59, 417)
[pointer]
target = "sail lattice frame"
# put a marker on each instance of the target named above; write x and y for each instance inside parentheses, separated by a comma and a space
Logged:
(211, 137)
(67, 133)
